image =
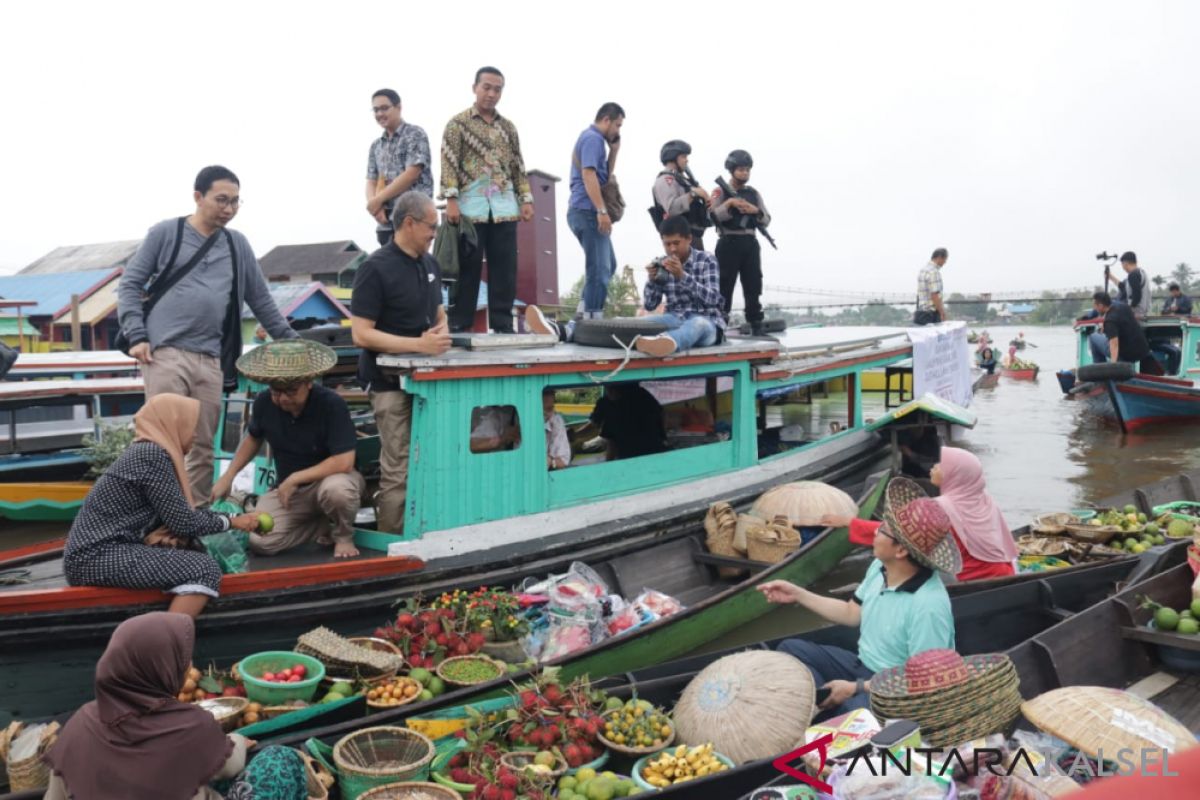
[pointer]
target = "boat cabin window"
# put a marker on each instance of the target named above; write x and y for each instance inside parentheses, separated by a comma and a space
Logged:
(798, 415)
(494, 429)
(630, 419)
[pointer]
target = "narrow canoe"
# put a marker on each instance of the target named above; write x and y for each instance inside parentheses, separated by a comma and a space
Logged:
(49, 501)
(1021, 374)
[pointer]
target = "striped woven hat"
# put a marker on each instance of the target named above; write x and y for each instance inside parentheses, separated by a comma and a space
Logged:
(916, 521)
(287, 362)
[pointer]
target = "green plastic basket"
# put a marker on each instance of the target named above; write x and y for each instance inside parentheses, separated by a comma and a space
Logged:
(269, 693)
(644, 760)
(1169, 508)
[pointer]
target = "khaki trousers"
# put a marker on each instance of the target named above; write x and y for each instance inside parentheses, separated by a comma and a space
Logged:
(393, 417)
(312, 509)
(176, 371)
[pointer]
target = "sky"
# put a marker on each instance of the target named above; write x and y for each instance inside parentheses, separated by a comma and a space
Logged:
(1024, 136)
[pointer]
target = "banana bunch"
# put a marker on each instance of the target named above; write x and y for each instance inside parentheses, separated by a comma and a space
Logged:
(682, 764)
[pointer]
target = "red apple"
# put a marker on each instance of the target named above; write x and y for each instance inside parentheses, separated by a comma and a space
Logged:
(299, 670)
(268, 676)
(294, 679)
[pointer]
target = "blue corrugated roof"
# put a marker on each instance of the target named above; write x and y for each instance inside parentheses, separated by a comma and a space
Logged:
(53, 291)
(1021, 308)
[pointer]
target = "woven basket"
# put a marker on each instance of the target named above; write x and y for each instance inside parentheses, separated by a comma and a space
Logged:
(226, 710)
(411, 791)
(720, 526)
(318, 778)
(518, 760)
(634, 751)
(401, 700)
(1054, 524)
(1096, 534)
(502, 669)
(32, 772)
(744, 523)
(1042, 545)
(804, 503)
(1096, 718)
(984, 672)
(374, 757)
(772, 542)
(376, 658)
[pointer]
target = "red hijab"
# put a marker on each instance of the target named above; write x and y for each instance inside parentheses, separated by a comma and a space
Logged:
(135, 741)
(976, 519)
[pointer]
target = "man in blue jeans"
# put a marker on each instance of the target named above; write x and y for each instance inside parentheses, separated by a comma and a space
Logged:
(901, 608)
(587, 216)
(689, 280)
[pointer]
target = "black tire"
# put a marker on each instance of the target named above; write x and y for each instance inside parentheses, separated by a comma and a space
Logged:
(1108, 371)
(330, 337)
(600, 332)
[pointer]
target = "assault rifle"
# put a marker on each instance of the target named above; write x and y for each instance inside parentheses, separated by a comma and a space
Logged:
(745, 220)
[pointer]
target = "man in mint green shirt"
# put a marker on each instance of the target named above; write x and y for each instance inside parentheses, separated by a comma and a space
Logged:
(901, 607)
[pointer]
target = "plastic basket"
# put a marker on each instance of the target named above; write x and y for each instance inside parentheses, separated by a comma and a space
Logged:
(252, 668)
(644, 760)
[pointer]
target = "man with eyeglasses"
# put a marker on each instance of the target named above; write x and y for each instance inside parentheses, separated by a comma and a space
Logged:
(312, 439)
(399, 161)
(191, 335)
(396, 307)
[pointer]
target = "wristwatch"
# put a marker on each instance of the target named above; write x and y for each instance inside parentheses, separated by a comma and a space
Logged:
(603, 211)
(859, 686)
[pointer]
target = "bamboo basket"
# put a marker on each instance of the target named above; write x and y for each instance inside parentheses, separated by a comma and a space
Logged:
(1099, 719)
(772, 542)
(518, 760)
(373, 757)
(226, 710)
(635, 751)
(501, 668)
(1095, 534)
(402, 700)
(1054, 524)
(720, 527)
(418, 790)
(318, 778)
(744, 523)
(32, 772)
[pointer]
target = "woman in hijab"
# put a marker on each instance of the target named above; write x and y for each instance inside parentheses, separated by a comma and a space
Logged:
(983, 538)
(136, 741)
(141, 510)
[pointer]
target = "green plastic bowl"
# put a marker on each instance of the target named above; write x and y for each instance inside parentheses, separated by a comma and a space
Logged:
(1084, 514)
(252, 668)
(644, 760)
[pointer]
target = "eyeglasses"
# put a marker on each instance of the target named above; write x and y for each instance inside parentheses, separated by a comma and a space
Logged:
(381, 109)
(290, 391)
(433, 226)
(884, 532)
(227, 202)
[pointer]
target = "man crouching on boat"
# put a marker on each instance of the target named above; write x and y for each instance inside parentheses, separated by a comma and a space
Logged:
(312, 439)
(901, 607)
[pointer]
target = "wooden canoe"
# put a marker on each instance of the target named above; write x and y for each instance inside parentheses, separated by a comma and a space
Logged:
(986, 620)
(47, 501)
(1021, 374)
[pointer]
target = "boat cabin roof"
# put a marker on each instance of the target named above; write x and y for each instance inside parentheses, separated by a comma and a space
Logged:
(1153, 321)
(22, 394)
(492, 354)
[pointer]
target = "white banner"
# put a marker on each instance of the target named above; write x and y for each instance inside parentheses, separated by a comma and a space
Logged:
(942, 361)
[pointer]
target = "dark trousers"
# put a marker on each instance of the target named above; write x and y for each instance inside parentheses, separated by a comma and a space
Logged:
(829, 663)
(741, 256)
(383, 237)
(926, 318)
(698, 238)
(498, 240)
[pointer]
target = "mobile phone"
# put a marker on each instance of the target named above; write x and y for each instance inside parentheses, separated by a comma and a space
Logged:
(823, 693)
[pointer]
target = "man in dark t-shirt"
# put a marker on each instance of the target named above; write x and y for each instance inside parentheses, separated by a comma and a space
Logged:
(396, 307)
(630, 421)
(1126, 341)
(317, 490)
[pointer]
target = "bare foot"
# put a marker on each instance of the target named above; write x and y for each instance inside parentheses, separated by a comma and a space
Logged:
(345, 550)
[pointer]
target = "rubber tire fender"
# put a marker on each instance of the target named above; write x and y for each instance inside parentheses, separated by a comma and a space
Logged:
(600, 332)
(1106, 371)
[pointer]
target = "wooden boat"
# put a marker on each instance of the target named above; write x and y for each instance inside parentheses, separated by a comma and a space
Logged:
(52, 501)
(1133, 400)
(1017, 343)
(1020, 374)
(987, 619)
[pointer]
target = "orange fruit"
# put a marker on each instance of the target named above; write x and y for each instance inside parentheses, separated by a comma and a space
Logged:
(253, 708)
(189, 686)
(250, 717)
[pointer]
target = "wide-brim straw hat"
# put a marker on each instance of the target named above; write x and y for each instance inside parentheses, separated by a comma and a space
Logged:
(953, 699)
(921, 525)
(1098, 719)
(287, 361)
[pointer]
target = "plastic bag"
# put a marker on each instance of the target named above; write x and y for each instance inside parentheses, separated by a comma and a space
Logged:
(863, 785)
(658, 604)
(580, 588)
(228, 549)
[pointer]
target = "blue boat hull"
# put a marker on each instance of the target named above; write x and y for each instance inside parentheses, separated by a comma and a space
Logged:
(1143, 401)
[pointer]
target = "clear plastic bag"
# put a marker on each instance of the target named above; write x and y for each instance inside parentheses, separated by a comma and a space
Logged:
(228, 549)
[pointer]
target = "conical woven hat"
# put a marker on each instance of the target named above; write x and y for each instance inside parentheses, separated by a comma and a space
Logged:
(751, 705)
(287, 361)
(1098, 718)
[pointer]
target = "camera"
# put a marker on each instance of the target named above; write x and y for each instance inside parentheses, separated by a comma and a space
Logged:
(661, 275)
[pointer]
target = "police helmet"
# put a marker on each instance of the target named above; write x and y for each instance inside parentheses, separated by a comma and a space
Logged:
(673, 150)
(738, 158)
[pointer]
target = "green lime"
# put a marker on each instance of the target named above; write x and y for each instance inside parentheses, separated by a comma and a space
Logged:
(1196, 607)
(343, 688)
(266, 523)
(436, 686)
(1188, 627)
(425, 695)
(421, 675)
(1166, 619)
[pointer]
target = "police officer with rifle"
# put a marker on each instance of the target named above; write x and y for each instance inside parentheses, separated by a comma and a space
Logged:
(678, 193)
(739, 213)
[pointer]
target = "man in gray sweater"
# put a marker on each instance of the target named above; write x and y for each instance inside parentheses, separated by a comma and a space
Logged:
(179, 342)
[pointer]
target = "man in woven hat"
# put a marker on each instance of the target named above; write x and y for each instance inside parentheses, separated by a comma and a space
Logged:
(308, 426)
(901, 607)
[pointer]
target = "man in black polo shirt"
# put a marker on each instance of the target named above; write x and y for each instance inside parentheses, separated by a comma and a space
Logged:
(312, 439)
(1126, 341)
(397, 307)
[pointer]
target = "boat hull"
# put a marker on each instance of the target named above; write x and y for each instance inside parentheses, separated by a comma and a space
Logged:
(1022, 374)
(1142, 401)
(51, 501)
